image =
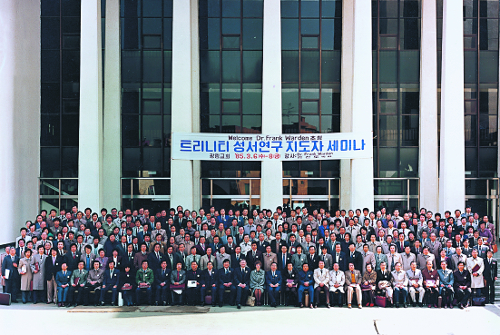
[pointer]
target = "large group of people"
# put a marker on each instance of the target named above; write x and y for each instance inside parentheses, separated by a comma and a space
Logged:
(283, 257)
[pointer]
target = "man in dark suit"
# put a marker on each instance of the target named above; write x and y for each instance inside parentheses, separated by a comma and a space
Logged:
(201, 247)
(253, 256)
(194, 275)
(110, 283)
(290, 281)
(52, 266)
(226, 281)
(355, 257)
(462, 285)
(162, 281)
(236, 257)
(155, 258)
(284, 258)
(180, 256)
(72, 258)
(208, 281)
(401, 244)
(490, 275)
(10, 264)
(312, 259)
(273, 284)
(242, 282)
(340, 258)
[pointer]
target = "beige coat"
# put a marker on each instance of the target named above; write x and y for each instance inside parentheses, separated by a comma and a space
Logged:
(28, 276)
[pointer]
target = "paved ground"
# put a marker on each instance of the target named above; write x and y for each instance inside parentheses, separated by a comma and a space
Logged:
(284, 320)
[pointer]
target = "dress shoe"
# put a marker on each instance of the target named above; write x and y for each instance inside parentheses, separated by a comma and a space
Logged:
(327, 305)
(213, 305)
(301, 305)
(311, 306)
(156, 303)
(220, 305)
(349, 306)
(372, 304)
(102, 303)
(59, 305)
(239, 306)
(405, 305)
(202, 304)
(420, 304)
(460, 306)
(397, 305)
(113, 304)
(414, 304)
(359, 306)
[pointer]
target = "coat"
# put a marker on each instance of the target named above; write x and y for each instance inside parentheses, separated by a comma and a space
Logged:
(39, 277)
(257, 280)
(476, 282)
(28, 276)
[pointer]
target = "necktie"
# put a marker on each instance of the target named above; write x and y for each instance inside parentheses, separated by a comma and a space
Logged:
(80, 272)
(392, 265)
(226, 271)
(88, 262)
(284, 261)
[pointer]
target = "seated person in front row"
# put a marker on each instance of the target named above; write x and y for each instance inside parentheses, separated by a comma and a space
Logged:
(306, 281)
(337, 281)
(290, 280)
(446, 281)
(462, 285)
(353, 281)
(110, 283)
(226, 282)
(144, 278)
(273, 284)
(209, 282)
(162, 281)
(321, 283)
(177, 284)
(415, 283)
(94, 283)
(126, 285)
(257, 283)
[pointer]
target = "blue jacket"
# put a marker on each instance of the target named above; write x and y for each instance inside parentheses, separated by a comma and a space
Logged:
(224, 278)
(242, 277)
(111, 281)
(162, 278)
(276, 279)
(306, 277)
(62, 279)
(208, 280)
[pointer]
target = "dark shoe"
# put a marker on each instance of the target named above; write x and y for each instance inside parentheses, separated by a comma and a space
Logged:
(113, 304)
(301, 305)
(220, 305)
(102, 303)
(404, 305)
(327, 305)
(165, 303)
(420, 304)
(203, 304)
(213, 305)
(397, 305)
(311, 306)
(59, 305)
(461, 306)
(239, 306)
(156, 303)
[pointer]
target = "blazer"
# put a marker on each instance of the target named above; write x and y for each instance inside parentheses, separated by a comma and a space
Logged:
(63, 278)
(304, 277)
(357, 277)
(276, 245)
(209, 279)
(192, 258)
(127, 278)
(356, 259)
(422, 261)
(341, 260)
(194, 275)
(268, 260)
(71, 261)
(205, 259)
(461, 279)
(52, 267)
(109, 281)
(490, 270)
(406, 260)
(312, 261)
(201, 249)
(224, 278)
(321, 276)
(298, 261)
(161, 277)
(273, 279)
(251, 259)
(282, 265)
(290, 275)
(82, 276)
(397, 258)
(387, 276)
(327, 259)
(8, 264)
(242, 276)
(153, 262)
(96, 275)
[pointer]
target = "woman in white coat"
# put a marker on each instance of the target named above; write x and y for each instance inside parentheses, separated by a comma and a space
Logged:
(38, 268)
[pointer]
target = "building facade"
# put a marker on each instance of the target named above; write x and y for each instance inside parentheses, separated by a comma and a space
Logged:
(93, 90)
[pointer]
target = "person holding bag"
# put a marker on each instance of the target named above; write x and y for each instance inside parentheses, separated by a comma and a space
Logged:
(368, 285)
(26, 274)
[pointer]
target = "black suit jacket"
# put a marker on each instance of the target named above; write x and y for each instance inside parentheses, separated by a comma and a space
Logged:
(387, 276)
(52, 269)
(341, 261)
(153, 261)
(72, 262)
(262, 248)
(162, 278)
(194, 275)
(281, 266)
(490, 270)
(251, 260)
(234, 262)
(208, 280)
(356, 259)
(313, 262)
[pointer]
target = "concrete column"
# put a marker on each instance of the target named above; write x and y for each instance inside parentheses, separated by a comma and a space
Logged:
(346, 98)
(452, 151)
(185, 99)
(362, 169)
(90, 156)
(195, 98)
(428, 141)
(271, 188)
(19, 113)
(112, 157)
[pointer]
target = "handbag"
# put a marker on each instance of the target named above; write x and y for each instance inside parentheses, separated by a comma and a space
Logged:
(177, 287)
(251, 300)
(380, 301)
(365, 287)
(495, 248)
(478, 301)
